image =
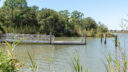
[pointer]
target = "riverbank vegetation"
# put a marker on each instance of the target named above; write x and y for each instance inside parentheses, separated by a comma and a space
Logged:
(8, 61)
(117, 61)
(17, 17)
(76, 63)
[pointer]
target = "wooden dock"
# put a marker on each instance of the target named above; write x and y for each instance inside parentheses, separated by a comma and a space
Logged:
(69, 43)
(40, 39)
(47, 42)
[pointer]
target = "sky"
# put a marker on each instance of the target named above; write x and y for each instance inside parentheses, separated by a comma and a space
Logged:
(109, 12)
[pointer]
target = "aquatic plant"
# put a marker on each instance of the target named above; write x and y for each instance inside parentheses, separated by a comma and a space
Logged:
(33, 66)
(118, 61)
(76, 64)
(8, 62)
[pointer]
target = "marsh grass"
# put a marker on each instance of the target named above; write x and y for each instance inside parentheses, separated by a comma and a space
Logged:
(76, 63)
(8, 62)
(116, 62)
(33, 65)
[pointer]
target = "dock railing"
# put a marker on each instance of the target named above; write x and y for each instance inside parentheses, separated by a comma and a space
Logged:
(11, 36)
(36, 38)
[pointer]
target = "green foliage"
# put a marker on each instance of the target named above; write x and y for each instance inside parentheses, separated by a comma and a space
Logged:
(118, 61)
(102, 28)
(48, 21)
(77, 15)
(76, 64)
(8, 63)
(33, 66)
(15, 3)
(89, 23)
(17, 17)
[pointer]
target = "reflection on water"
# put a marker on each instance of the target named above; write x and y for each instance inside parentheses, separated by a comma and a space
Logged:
(56, 58)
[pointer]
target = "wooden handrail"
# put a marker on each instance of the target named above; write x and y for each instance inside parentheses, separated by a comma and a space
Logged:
(26, 36)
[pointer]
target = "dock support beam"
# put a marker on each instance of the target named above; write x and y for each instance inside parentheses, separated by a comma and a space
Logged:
(85, 38)
(101, 38)
(50, 38)
(105, 39)
(116, 41)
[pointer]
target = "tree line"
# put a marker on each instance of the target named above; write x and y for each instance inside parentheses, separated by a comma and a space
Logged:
(17, 17)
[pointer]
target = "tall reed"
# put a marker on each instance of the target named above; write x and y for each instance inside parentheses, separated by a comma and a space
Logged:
(33, 66)
(116, 62)
(76, 63)
(8, 62)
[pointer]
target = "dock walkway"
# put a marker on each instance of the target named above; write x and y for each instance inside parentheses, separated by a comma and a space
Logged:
(39, 39)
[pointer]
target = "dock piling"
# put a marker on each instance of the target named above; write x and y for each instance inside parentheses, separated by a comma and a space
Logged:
(85, 38)
(116, 41)
(105, 39)
(101, 38)
(50, 38)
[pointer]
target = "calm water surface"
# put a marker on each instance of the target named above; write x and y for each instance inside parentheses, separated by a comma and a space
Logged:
(56, 58)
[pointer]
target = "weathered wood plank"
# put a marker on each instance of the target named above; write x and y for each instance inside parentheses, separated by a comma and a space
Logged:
(68, 43)
(33, 38)
(47, 42)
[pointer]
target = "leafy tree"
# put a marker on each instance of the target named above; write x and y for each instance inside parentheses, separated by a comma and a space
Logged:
(64, 17)
(48, 20)
(17, 17)
(78, 15)
(102, 28)
(88, 23)
(29, 23)
(13, 10)
(11, 5)
(65, 13)
(2, 21)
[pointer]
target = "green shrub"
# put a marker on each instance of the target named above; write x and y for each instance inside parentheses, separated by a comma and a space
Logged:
(8, 63)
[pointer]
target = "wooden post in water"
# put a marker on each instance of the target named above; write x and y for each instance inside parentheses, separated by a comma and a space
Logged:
(116, 41)
(0, 38)
(50, 38)
(105, 40)
(85, 38)
(101, 37)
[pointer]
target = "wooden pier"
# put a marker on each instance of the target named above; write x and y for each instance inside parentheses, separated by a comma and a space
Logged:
(68, 43)
(38, 39)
